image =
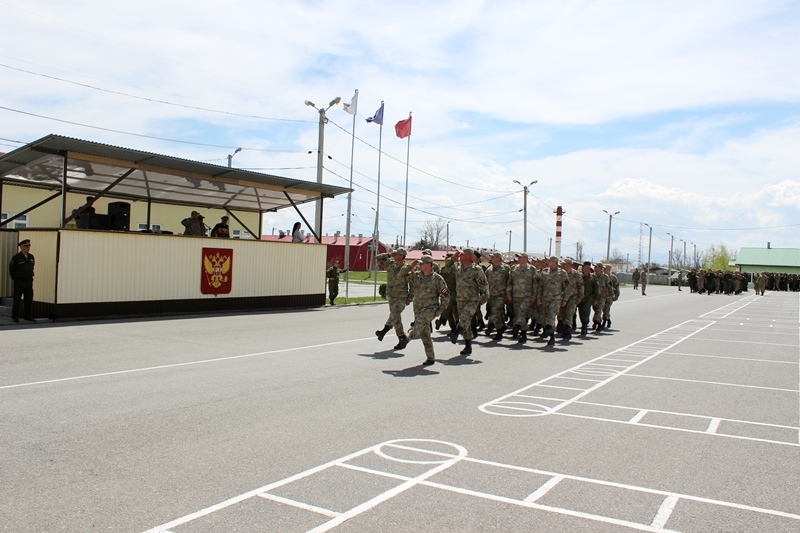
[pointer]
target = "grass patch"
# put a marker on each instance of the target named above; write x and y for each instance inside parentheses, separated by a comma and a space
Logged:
(364, 277)
(360, 300)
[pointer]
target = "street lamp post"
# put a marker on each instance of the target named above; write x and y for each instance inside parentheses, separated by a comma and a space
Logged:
(669, 263)
(525, 213)
(320, 145)
(509, 244)
(230, 156)
(649, 248)
(608, 245)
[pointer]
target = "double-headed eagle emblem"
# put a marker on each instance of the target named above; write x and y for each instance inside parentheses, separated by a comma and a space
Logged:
(216, 268)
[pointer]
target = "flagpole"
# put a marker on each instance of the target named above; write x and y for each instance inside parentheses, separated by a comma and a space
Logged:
(377, 234)
(405, 211)
(349, 207)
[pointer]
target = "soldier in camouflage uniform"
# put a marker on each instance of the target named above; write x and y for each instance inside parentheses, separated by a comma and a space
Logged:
(613, 296)
(471, 293)
(450, 314)
(497, 276)
(590, 296)
(396, 292)
(603, 291)
(551, 296)
(521, 285)
(333, 280)
(428, 291)
(573, 295)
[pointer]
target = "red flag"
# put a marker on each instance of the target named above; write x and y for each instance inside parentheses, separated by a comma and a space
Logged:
(403, 128)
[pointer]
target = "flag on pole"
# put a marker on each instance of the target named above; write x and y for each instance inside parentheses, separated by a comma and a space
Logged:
(378, 117)
(403, 128)
(352, 106)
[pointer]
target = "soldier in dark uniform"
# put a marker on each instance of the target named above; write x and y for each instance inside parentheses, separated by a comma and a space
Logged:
(21, 271)
(590, 296)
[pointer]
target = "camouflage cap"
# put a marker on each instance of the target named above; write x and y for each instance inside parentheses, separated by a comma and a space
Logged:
(523, 254)
(553, 258)
(426, 259)
(587, 263)
(468, 251)
(497, 254)
(401, 251)
(427, 251)
(567, 261)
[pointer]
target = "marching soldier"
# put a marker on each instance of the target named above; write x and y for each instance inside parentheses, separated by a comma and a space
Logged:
(551, 296)
(635, 278)
(428, 291)
(603, 290)
(396, 292)
(521, 284)
(613, 295)
(497, 276)
(590, 296)
(471, 293)
(450, 313)
(573, 295)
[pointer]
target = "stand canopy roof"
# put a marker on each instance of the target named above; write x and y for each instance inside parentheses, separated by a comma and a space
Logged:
(93, 167)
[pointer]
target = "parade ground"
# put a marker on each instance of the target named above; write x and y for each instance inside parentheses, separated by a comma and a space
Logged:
(685, 416)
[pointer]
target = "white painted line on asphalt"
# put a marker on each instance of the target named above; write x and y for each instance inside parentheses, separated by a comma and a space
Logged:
(713, 426)
(665, 511)
(187, 363)
(727, 310)
(648, 348)
(637, 417)
(747, 342)
(712, 383)
(732, 358)
(299, 505)
(544, 489)
(750, 332)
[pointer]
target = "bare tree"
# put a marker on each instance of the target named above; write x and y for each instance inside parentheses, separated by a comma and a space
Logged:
(616, 256)
(432, 234)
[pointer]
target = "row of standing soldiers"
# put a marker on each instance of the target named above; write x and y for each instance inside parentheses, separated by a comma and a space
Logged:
(543, 296)
(716, 282)
(776, 281)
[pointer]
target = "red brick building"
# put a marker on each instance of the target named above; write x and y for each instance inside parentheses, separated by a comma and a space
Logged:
(360, 248)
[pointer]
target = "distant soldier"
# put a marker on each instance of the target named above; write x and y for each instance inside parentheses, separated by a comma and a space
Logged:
(612, 297)
(194, 225)
(635, 278)
(497, 277)
(644, 281)
(701, 281)
(521, 286)
(573, 295)
(333, 280)
(471, 293)
(680, 279)
(428, 291)
(20, 268)
(590, 296)
(551, 296)
(396, 292)
(603, 291)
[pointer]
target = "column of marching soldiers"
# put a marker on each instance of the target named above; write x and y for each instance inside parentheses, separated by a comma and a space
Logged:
(727, 282)
(543, 296)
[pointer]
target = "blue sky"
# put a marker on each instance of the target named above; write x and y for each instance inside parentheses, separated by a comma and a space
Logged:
(681, 115)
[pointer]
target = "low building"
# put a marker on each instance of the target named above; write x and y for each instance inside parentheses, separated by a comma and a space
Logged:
(361, 248)
(783, 260)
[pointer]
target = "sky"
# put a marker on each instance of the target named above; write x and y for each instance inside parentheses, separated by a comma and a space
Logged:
(682, 116)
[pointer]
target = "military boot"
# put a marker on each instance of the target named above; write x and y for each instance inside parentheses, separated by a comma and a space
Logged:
(567, 335)
(515, 332)
(523, 337)
(599, 327)
(552, 341)
(454, 335)
(548, 330)
(537, 329)
(584, 330)
(381, 332)
(468, 348)
(402, 342)
(608, 324)
(438, 323)
(489, 329)
(499, 334)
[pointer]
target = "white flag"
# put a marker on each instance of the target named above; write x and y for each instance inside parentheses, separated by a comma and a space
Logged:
(352, 107)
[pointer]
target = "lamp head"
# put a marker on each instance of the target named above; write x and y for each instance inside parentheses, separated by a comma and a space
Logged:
(335, 101)
(237, 150)
(309, 103)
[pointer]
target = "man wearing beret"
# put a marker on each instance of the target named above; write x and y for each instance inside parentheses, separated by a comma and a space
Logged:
(397, 293)
(21, 271)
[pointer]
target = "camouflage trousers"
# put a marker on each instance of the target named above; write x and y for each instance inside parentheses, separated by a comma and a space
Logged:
(607, 309)
(567, 313)
(466, 310)
(396, 307)
(495, 307)
(550, 309)
(422, 329)
(598, 310)
(585, 311)
(522, 307)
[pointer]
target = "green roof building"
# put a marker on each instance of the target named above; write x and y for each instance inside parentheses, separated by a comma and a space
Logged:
(785, 260)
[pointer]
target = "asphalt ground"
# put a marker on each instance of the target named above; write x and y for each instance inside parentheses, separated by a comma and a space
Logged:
(685, 416)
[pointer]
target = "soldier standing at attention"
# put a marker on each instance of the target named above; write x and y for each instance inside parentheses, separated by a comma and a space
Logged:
(589, 296)
(497, 276)
(522, 293)
(635, 278)
(613, 295)
(644, 281)
(574, 294)
(428, 291)
(333, 280)
(396, 292)
(471, 292)
(21, 271)
(603, 291)
(552, 296)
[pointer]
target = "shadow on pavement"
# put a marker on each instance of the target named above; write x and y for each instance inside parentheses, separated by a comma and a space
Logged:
(386, 354)
(411, 372)
(461, 360)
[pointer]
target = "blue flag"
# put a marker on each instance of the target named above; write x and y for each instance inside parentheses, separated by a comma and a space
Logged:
(378, 118)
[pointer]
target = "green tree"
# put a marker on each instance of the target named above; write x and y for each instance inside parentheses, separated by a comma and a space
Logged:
(717, 257)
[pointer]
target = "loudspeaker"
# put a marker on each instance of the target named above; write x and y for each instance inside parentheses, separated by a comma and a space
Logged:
(120, 214)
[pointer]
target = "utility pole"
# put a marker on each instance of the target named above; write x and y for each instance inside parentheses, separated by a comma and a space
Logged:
(669, 264)
(525, 213)
(649, 248)
(608, 246)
